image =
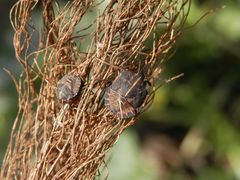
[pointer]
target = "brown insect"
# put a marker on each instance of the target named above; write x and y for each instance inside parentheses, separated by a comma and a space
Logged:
(68, 87)
(126, 94)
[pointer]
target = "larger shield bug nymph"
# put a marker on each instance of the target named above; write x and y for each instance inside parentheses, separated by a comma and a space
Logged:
(125, 96)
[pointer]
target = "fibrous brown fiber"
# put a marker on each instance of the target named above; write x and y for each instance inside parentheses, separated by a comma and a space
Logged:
(51, 139)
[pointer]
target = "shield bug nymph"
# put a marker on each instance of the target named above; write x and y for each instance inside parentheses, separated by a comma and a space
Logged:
(68, 87)
(125, 96)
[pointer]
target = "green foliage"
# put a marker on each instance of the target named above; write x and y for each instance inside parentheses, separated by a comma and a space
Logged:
(127, 162)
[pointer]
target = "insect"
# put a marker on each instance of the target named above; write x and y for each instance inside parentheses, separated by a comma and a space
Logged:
(126, 94)
(68, 87)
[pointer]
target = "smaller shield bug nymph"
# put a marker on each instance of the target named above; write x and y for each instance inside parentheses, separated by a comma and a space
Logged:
(68, 87)
(125, 96)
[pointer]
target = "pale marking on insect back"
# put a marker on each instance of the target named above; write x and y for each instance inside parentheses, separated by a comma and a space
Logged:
(133, 86)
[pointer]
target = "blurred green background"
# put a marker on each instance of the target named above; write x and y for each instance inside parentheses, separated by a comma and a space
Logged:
(192, 129)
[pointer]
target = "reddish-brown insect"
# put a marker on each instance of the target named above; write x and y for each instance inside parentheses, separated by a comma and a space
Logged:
(68, 87)
(126, 94)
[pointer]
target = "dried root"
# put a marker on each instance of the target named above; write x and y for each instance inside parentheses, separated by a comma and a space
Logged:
(55, 140)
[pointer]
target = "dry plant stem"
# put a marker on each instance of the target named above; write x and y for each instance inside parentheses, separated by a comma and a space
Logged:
(52, 140)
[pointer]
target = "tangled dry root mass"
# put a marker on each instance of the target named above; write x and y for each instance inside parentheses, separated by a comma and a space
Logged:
(94, 40)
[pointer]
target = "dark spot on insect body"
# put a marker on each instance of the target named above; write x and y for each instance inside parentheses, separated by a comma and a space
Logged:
(68, 87)
(125, 96)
